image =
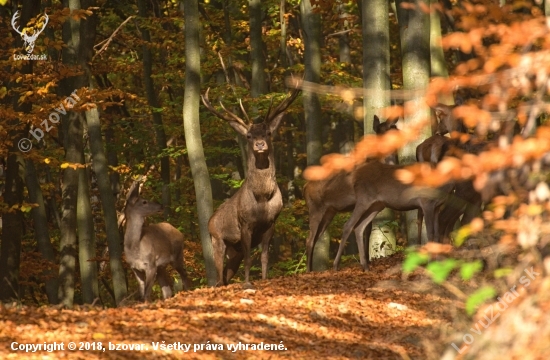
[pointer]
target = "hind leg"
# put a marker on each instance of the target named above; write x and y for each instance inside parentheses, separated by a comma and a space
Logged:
(219, 248)
(234, 259)
(165, 282)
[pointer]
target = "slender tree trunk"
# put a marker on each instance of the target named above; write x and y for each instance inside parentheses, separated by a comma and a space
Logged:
(257, 58)
(193, 139)
(343, 39)
(437, 56)
(311, 23)
(414, 27)
(154, 104)
(100, 166)
(376, 80)
(86, 238)
(12, 222)
(41, 232)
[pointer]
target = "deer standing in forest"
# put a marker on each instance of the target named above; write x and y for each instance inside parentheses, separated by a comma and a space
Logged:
(326, 198)
(247, 219)
(149, 249)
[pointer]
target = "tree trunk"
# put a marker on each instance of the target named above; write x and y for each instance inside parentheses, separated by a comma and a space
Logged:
(100, 166)
(414, 26)
(257, 58)
(41, 232)
(154, 104)
(437, 55)
(12, 222)
(193, 139)
(311, 23)
(86, 238)
(376, 80)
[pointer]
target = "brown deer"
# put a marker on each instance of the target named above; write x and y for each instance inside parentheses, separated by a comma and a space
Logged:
(376, 188)
(328, 197)
(247, 219)
(149, 249)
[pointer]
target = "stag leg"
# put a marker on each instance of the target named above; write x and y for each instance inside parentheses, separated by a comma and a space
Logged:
(266, 238)
(363, 243)
(150, 275)
(179, 265)
(165, 282)
(246, 243)
(234, 259)
(419, 220)
(428, 209)
(218, 246)
(318, 223)
(362, 213)
(140, 277)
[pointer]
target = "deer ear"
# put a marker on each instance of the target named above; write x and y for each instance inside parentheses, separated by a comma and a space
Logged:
(274, 124)
(133, 193)
(239, 128)
(375, 123)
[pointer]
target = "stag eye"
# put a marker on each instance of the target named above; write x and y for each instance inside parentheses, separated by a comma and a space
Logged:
(144, 202)
(249, 136)
(268, 133)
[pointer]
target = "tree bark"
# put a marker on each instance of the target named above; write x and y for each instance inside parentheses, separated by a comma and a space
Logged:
(86, 238)
(100, 166)
(41, 232)
(152, 99)
(437, 55)
(257, 58)
(193, 139)
(12, 221)
(311, 23)
(414, 26)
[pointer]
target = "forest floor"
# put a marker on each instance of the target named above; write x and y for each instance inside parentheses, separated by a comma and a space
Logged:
(330, 315)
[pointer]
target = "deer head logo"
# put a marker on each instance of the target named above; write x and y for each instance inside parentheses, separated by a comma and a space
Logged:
(29, 34)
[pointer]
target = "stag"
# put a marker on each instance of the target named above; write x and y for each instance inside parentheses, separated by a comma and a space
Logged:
(28, 40)
(326, 198)
(149, 249)
(247, 219)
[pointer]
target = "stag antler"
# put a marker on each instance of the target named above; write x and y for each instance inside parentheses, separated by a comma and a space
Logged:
(271, 114)
(15, 17)
(227, 117)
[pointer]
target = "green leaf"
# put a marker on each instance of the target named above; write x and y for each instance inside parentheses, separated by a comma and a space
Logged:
(439, 270)
(478, 298)
(499, 273)
(414, 260)
(467, 270)
(462, 234)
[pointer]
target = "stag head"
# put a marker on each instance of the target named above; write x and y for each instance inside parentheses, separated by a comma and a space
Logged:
(258, 135)
(28, 39)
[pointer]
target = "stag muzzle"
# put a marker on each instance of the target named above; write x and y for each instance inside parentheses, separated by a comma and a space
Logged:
(260, 146)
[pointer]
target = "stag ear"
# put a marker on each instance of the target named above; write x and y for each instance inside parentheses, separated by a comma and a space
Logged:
(274, 124)
(442, 111)
(375, 124)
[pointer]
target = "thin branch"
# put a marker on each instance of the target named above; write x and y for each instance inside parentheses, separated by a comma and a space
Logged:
(108, 40)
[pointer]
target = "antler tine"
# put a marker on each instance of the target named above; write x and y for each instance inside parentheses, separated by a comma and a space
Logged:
(244, 111)
(15, 17)
(45, 23)
(227, 117)
(283, 105)
(233, 116)
(269, 110)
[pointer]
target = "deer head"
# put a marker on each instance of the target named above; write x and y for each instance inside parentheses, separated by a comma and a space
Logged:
(140, 206)
(29, 40)
(258, 135)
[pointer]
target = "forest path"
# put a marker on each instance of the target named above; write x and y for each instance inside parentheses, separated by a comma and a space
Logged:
(348, 314)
